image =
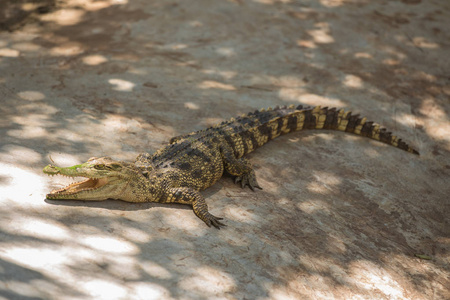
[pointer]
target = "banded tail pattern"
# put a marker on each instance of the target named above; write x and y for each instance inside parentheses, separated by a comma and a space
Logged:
(248, 132)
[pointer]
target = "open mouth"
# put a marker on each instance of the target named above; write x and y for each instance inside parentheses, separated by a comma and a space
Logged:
(87, 185)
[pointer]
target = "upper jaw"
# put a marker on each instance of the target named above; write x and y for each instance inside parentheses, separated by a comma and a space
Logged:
(74, 171)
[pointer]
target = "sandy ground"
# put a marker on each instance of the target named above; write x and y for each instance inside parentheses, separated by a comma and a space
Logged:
(340, 217)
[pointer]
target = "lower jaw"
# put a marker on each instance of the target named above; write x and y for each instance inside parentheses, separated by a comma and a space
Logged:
(61, 197)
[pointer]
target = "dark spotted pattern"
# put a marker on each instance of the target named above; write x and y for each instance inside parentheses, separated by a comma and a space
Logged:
(185, 166)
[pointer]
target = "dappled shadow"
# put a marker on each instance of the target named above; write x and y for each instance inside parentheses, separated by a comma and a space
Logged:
(339, 216)
(16, 13)
(24, 283)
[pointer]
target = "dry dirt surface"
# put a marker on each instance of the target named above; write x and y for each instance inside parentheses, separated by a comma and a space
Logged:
(340, 216)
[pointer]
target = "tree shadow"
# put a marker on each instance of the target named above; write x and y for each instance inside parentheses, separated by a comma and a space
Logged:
(331, 221)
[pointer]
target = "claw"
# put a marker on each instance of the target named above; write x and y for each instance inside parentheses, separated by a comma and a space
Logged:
(248, 179)
(214, 221)
(254, 184)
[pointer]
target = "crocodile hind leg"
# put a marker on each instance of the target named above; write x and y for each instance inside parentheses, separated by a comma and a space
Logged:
(241, 168)
(184, 195)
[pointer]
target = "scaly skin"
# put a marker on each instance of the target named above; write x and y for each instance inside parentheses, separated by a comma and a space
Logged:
(190, 163)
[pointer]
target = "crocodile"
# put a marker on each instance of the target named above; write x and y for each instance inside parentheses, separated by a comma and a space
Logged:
(189, 163)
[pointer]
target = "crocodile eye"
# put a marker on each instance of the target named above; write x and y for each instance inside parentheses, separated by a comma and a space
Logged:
(99, 167)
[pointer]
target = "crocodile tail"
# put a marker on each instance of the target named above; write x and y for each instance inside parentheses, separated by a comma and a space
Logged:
(341, 120)
(259, 127)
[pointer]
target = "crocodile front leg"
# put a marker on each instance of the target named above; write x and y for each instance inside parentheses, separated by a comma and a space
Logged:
(239, 167)
(184, 195)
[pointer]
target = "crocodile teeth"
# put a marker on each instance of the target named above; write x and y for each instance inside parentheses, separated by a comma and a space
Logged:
(85, 185)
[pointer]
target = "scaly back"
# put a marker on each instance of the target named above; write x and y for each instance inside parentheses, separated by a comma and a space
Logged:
(248, 132)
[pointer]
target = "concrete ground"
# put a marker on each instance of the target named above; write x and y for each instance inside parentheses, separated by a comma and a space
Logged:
(340, 216)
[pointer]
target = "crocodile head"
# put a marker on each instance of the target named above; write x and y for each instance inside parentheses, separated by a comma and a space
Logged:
(105, 179)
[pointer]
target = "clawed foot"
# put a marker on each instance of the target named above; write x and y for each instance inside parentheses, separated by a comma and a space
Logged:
(213, 220)
(248, 179)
